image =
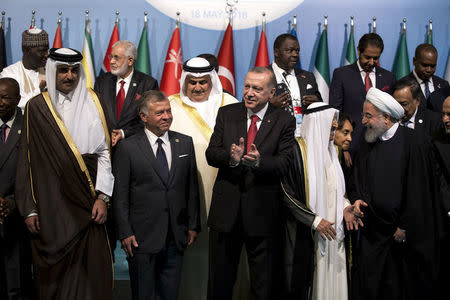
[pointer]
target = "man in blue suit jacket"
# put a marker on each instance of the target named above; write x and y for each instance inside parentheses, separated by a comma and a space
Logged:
(350, 83)
(156, 200)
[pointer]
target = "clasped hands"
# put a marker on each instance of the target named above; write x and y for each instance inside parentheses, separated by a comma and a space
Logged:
(251, 159)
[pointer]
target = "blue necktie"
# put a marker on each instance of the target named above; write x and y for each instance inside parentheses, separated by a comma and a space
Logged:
(427, 89)
(161, 160)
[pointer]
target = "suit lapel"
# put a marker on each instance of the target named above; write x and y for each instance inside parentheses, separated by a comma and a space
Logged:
(241, 124)
(147, 150)
(175, 148)
(12, 140)
(419, 119)
(266, 125)
(131, 94)
(301, 79)
(112, 82)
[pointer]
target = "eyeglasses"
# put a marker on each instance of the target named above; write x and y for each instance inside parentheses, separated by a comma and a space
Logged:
(115, 57)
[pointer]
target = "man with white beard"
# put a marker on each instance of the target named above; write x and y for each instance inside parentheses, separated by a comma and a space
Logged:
(121, 88)
(393, 189)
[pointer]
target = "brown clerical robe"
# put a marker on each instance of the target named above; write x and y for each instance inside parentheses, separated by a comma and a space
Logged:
(71, 253)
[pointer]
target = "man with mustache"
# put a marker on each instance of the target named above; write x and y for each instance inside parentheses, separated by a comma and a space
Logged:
(350, 84)
(300, 86)
(194, 112)
(425, 61)
(394, 195)
(121, 89)
(30, 72)
(63, 184)
(251, 146)
(156, 201)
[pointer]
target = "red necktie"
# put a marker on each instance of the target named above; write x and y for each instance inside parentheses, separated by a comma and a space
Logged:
(367, 82)
(120, 99)
(252, 130)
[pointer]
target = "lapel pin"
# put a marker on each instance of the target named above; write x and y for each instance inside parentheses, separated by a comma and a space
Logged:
(420, 121)
(439, 86)
(303, 76)
(19, 131)
(177, 140)
(268, 121)
(134, 83)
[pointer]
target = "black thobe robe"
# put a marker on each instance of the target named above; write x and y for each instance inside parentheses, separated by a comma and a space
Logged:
(298, 243)
(396, 179)
(71, 254)
(441, 143)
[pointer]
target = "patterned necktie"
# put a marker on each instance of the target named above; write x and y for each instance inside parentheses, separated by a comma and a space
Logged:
(120, 99)
(161, 160)
(367, 82)
(3, 132)
(252, 131)
(289, 108)
(427, 88)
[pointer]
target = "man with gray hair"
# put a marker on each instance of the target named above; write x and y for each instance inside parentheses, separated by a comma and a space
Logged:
(156, 200)
(394, 195)
(121, 88)
(30, 72)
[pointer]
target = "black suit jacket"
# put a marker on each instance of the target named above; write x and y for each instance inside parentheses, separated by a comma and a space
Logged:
(428, 121)
(438, 84)
(249, 195)
(129, 122)
(304, 78)
(144, 204)
(8, 165)
(348, 93)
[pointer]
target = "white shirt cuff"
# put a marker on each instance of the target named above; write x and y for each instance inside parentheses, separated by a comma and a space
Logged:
(316, 222)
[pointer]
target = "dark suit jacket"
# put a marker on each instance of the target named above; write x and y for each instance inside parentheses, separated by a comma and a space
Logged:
(348, 93)
(249, 195)
(129, 122)
(428, 121)
(8, 165)
(304, 78)
(438, 84)
(144, 203)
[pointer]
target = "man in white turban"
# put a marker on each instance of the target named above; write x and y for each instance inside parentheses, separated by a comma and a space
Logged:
(394, 195)
(63, 184)
(194, 113)
(318, 205)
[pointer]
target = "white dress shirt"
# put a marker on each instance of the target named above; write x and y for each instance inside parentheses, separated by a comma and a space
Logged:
(422, 83)
(260, 114)
(126, 84)
(389, 133)
(9, 123)
(165, 144)
(372, 75)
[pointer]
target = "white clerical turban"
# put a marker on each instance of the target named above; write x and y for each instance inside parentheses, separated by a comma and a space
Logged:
(385, 102)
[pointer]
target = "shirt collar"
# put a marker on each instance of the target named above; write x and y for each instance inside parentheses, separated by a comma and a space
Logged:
(153, 137)
(413, 117)
(361, 69)
(126, 79)
(10, 121)
(276, 68)
(260, 113)
(63, 97)
(389, 133)
(420, 81)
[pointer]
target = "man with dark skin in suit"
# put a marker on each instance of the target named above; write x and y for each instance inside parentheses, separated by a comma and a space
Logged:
(9, 98)
(15, 258)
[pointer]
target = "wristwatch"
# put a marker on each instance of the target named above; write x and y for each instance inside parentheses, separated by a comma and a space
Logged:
(104, 198)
